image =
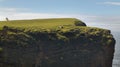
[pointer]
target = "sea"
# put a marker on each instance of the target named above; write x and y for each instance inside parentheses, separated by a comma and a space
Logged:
(116, 60)
(115, 31)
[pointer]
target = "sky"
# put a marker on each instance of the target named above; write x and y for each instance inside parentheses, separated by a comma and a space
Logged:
(101, 13)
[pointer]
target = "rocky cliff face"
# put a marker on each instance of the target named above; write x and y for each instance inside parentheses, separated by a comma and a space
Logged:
(62, 47)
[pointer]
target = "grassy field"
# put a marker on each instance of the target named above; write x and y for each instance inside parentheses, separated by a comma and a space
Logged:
(51, 28)
(45, 24)
(39, 23)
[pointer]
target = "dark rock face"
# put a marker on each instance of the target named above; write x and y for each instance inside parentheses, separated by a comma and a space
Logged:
(71, 48)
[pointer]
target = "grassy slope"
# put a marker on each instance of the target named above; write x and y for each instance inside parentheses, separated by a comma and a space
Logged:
(42, 23)
(39, 23)
(46, 24)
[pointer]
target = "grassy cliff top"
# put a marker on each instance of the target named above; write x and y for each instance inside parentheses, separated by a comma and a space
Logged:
(61, 29)
(40, 23)
(33, 25)
(47, 24)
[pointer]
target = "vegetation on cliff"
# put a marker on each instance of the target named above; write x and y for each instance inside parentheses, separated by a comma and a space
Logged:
(46, 36)
(41, 23)
(49, 31)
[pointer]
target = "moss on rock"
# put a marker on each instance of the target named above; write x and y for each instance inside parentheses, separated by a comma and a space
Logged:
(69, 46)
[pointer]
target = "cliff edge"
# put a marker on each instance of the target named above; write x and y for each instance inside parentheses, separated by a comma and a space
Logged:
(71, 44)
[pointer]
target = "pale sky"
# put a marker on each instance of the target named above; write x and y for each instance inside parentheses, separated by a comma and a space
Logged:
(99, 13)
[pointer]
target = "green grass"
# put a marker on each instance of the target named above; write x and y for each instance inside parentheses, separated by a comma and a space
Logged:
(45, 24)
(69, 31)
(39, 23)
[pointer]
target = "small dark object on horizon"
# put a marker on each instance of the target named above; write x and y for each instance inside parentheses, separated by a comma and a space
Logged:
(7, 19)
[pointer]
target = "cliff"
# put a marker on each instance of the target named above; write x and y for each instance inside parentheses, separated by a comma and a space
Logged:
(71, 45)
